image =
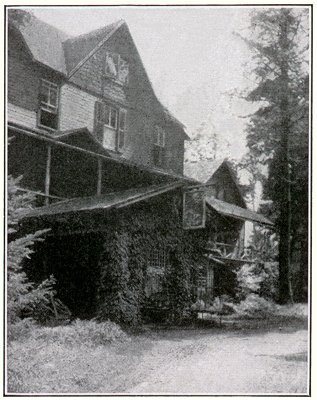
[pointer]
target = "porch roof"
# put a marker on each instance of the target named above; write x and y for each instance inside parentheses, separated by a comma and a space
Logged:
(231, 210)
(103, 202)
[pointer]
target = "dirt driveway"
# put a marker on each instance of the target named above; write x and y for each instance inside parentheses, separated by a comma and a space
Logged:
(223, 363)
(183, 361)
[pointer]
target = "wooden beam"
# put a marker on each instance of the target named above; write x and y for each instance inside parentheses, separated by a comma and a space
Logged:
(48, 175)
(42, 194)
(99, 179)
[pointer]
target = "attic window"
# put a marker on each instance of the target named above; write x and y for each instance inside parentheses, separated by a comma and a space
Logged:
(48, 110)
(116, 67)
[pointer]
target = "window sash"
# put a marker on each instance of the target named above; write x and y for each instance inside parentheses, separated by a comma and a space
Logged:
(112, 119)
(49, 96)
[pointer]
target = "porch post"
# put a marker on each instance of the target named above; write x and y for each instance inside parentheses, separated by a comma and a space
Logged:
(99, 177)
(48, 174)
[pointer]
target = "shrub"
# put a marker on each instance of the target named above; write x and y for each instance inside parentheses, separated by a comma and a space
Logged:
(23, 297)
(21, 329)
(254, 306)
(81, 332)
(258, 278)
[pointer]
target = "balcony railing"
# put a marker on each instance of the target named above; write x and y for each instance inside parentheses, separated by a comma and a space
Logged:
(226, 251)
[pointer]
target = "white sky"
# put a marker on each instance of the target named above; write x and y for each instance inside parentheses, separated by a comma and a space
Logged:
(190, 53)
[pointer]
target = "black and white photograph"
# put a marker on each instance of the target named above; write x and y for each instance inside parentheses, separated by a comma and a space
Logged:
(157, 185)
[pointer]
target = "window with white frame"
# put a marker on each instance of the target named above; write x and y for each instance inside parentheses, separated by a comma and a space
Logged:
(159, 147)
(48, 108)
(110, 125)
(116, 67)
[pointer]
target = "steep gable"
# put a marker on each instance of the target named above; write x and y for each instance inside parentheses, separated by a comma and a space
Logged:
(77, 49)
(88, 53)
(219, 175)
(44, 42)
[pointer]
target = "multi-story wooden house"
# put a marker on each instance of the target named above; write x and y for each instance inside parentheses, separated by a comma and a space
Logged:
(105, 160)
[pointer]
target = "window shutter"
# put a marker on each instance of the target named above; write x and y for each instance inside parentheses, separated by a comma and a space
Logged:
(99, 117)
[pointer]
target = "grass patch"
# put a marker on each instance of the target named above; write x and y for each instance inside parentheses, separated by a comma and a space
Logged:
(74, 358)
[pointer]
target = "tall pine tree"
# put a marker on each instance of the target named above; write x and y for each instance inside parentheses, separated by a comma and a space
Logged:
(278, 130)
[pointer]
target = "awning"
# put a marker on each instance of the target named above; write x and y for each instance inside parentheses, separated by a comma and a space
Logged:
(231, 210)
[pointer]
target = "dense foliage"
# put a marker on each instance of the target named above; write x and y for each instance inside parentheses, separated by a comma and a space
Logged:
(24, 299)
(278, 131)
(121, 295)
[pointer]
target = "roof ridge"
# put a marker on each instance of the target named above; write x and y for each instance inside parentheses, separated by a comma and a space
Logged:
(92, 33)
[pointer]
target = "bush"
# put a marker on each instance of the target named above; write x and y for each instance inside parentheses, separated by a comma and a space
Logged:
(21, 329)
(89, 333)
(254, 306)
(23, 297)
(258, 278)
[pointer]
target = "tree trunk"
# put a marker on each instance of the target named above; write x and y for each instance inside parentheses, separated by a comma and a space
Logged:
(285, 288)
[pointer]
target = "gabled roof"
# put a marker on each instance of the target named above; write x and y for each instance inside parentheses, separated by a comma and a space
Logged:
(45, 43)
(82, 138)
(202, 170)
(231, 210)
(79, 48)
(104, 202)
(66, 54)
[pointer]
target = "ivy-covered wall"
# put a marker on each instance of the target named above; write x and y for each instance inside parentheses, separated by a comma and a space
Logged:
(123, 264)
(100, 259)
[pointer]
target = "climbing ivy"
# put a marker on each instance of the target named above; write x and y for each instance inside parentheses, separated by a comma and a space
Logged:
(124, 260)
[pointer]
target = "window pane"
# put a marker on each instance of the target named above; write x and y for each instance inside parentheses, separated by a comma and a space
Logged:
(113, 118)
(44, 92)
(98, 111)
(53, 97)
(48, 119)
(109, 138)
(121, 135)
(122, 120)
(106, 115)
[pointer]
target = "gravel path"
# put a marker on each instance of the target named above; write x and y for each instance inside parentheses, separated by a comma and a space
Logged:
(223, 363)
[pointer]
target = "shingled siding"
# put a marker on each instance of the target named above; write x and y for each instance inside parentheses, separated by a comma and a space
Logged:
(24, 77)
(20, 115)
(77, 111)
(144, 111)
(76, 108)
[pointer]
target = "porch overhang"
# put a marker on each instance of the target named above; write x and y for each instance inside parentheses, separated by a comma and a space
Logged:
(115, 200)
(234, 211)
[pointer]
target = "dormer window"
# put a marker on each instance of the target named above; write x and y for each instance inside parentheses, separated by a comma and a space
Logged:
(110, 126)
(48, 109)
(116, 68)
(159, 147)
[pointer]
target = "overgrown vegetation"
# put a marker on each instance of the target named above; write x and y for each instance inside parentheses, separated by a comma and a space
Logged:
(123, 266)
(24, 298)
(57, 359)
